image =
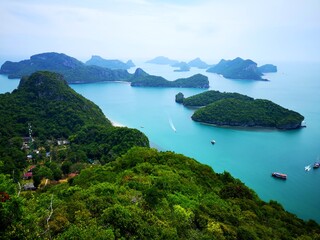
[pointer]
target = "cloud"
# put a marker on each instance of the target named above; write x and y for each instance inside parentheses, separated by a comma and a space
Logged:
(178, 29)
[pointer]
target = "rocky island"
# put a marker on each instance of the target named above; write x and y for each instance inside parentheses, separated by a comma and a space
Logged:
(238, 68)
(109, 63)
(143, 79)
(237, 110)
(72, 69)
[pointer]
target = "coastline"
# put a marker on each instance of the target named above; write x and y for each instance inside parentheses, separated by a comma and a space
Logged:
(116, 124)
(253, 128)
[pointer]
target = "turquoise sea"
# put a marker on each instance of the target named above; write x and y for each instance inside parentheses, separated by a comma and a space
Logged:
(250, 155)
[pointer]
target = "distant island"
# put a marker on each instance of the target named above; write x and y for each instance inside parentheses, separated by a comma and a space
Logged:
(161, 60)
(183, 67)
(268, 68)
(239, 68)
(237, 110)
(198, 63)
(111, 64)
(72, 69)
(142, 79)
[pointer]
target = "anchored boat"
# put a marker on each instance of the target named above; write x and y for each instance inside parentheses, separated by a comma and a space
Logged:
(279, 175)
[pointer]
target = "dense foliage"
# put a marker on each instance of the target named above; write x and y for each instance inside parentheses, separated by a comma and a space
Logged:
(252, 113)
(205, 98)
(54, 111)
(146, 194)
(195, 81)
(73, 70)
(237, 69)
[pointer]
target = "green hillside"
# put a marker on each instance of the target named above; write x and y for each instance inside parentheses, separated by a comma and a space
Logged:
(146, 194)
(55, 111)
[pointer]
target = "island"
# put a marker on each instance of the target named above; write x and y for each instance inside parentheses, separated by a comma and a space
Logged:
(143, 79)
(198, 63)
(111, 64)
(205, 98)
(67, 173)
(268, 68)
(237, 68)
(183, 67)
(72, 69)
(161, 60)
(237, 110)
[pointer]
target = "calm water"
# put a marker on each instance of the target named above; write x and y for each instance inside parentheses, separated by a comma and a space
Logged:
(248, 155)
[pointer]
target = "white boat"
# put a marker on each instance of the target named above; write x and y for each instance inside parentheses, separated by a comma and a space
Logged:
(307, 168)
(213, 141)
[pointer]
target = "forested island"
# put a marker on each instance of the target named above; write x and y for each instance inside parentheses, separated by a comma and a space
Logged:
(96, 181)
(142, 79)
(239, 68)
(95, 70)
(237, 110)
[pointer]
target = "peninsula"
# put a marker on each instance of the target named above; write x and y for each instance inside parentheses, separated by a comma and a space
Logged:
(237, 110)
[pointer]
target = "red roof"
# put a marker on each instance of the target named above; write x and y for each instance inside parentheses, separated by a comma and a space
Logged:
(28, 174)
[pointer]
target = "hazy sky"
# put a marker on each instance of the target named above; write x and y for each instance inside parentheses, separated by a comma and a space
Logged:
(272, 30)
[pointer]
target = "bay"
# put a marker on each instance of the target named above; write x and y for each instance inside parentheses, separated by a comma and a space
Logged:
(249, 155)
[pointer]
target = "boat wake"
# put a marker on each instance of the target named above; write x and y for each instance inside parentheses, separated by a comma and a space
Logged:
(307, 168)
(171, 125)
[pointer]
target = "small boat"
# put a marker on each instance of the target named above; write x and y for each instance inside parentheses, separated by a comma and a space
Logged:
(316, 165)
(213, 141)
(279, 175)
(307, 168)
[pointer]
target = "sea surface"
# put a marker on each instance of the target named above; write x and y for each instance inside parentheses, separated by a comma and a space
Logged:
(250, 155)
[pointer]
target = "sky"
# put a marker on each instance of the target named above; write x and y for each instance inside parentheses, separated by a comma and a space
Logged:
(273, 30)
